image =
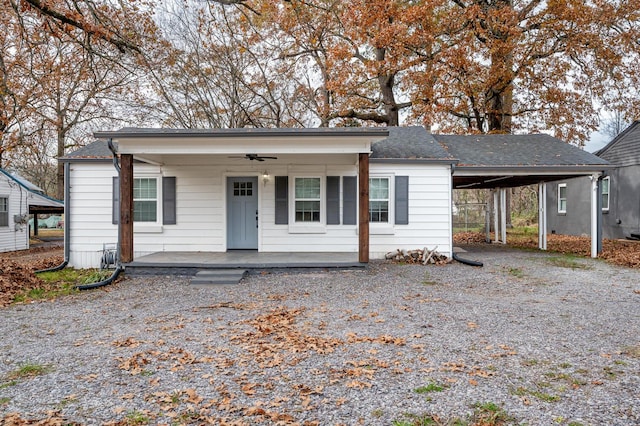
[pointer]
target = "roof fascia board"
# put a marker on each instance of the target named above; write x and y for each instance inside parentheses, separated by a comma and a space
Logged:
(413, 160)
(242, 133)
(528, 170)
(32, 194)
(84, 160)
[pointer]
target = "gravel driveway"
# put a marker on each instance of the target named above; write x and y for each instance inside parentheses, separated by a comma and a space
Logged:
(534, 338)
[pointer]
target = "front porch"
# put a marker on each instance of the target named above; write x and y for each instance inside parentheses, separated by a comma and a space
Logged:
(189, 263)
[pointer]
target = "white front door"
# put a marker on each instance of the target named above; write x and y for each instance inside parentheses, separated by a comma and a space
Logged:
(242, 212)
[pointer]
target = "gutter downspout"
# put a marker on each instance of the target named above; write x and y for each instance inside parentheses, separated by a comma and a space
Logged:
(119, 267)
(67, 227)
(454, 256)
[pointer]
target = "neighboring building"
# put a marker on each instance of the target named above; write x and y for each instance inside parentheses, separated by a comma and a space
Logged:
(18, 199)
(619, 193)
(285, 190)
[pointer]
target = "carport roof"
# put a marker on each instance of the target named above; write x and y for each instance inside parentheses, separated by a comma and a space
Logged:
(488, 161)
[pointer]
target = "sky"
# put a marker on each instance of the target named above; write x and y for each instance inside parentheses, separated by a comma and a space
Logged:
(596, 141)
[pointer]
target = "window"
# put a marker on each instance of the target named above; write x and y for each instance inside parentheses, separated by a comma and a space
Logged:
(562, 198)
(379, 200)
(145, 200)
(242, 189)
(605, 194)
(307, 199)
(4, 211)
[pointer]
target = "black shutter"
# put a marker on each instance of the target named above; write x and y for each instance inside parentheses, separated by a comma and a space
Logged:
(349, 200)
(402, 200)
(333, 200)
(115, 205)
(282, 200)
(168, 200)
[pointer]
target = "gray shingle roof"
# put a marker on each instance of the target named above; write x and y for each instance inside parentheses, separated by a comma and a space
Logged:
(515, 150)
(409, 143)
(97, 150)
(624, 149)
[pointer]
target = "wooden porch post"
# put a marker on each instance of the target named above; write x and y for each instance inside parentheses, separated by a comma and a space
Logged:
(363, 207)
(126, 208)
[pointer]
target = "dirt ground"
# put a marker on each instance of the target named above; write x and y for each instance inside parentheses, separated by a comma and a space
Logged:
(617, 252)
(16, 270)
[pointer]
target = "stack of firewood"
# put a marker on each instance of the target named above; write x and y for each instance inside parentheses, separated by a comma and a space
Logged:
(424, 256)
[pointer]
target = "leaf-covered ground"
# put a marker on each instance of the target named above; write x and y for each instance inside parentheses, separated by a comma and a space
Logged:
(16, 271)
(617, 252)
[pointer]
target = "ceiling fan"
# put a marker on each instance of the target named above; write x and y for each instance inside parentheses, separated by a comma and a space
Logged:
(255, 157)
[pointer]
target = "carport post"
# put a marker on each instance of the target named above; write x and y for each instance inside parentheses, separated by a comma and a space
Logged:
(503, 215)
(542, 216)
(595, 214)
(496, 207)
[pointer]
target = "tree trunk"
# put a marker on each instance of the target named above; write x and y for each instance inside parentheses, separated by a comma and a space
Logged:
(60, 170)
(386, 82)
(499, 96)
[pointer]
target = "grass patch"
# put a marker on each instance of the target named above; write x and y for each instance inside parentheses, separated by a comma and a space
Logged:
(567, 261)
(70, 276)
(427, 279)
(61, 283)
(489, 414)
(484, 414)
(415, 420)
(137, 418)
(515, 272)
(8, 384)
(28, 370)
(542, 396)
(631, 351)
(431, 387)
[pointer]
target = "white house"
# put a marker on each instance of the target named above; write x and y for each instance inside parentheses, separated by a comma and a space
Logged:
(364, 191)
(19, 198)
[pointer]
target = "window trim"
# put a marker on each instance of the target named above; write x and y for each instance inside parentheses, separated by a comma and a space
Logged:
(385, 228)
(307, 227)
(608, 193)
(157, 200)
(5, 197)
(560, 209)
(388, 200)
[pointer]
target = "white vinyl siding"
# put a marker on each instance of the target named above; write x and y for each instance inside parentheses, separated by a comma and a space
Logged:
(562, 198)
(429, 223)
(13, 201)
(201, 212)
(605, 193)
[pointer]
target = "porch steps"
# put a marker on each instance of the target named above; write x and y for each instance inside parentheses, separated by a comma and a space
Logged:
(218, 276)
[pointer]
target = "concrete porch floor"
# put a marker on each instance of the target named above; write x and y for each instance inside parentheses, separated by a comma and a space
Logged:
(188, 263)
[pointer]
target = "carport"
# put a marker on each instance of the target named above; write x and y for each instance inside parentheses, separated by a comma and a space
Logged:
(498, 162)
